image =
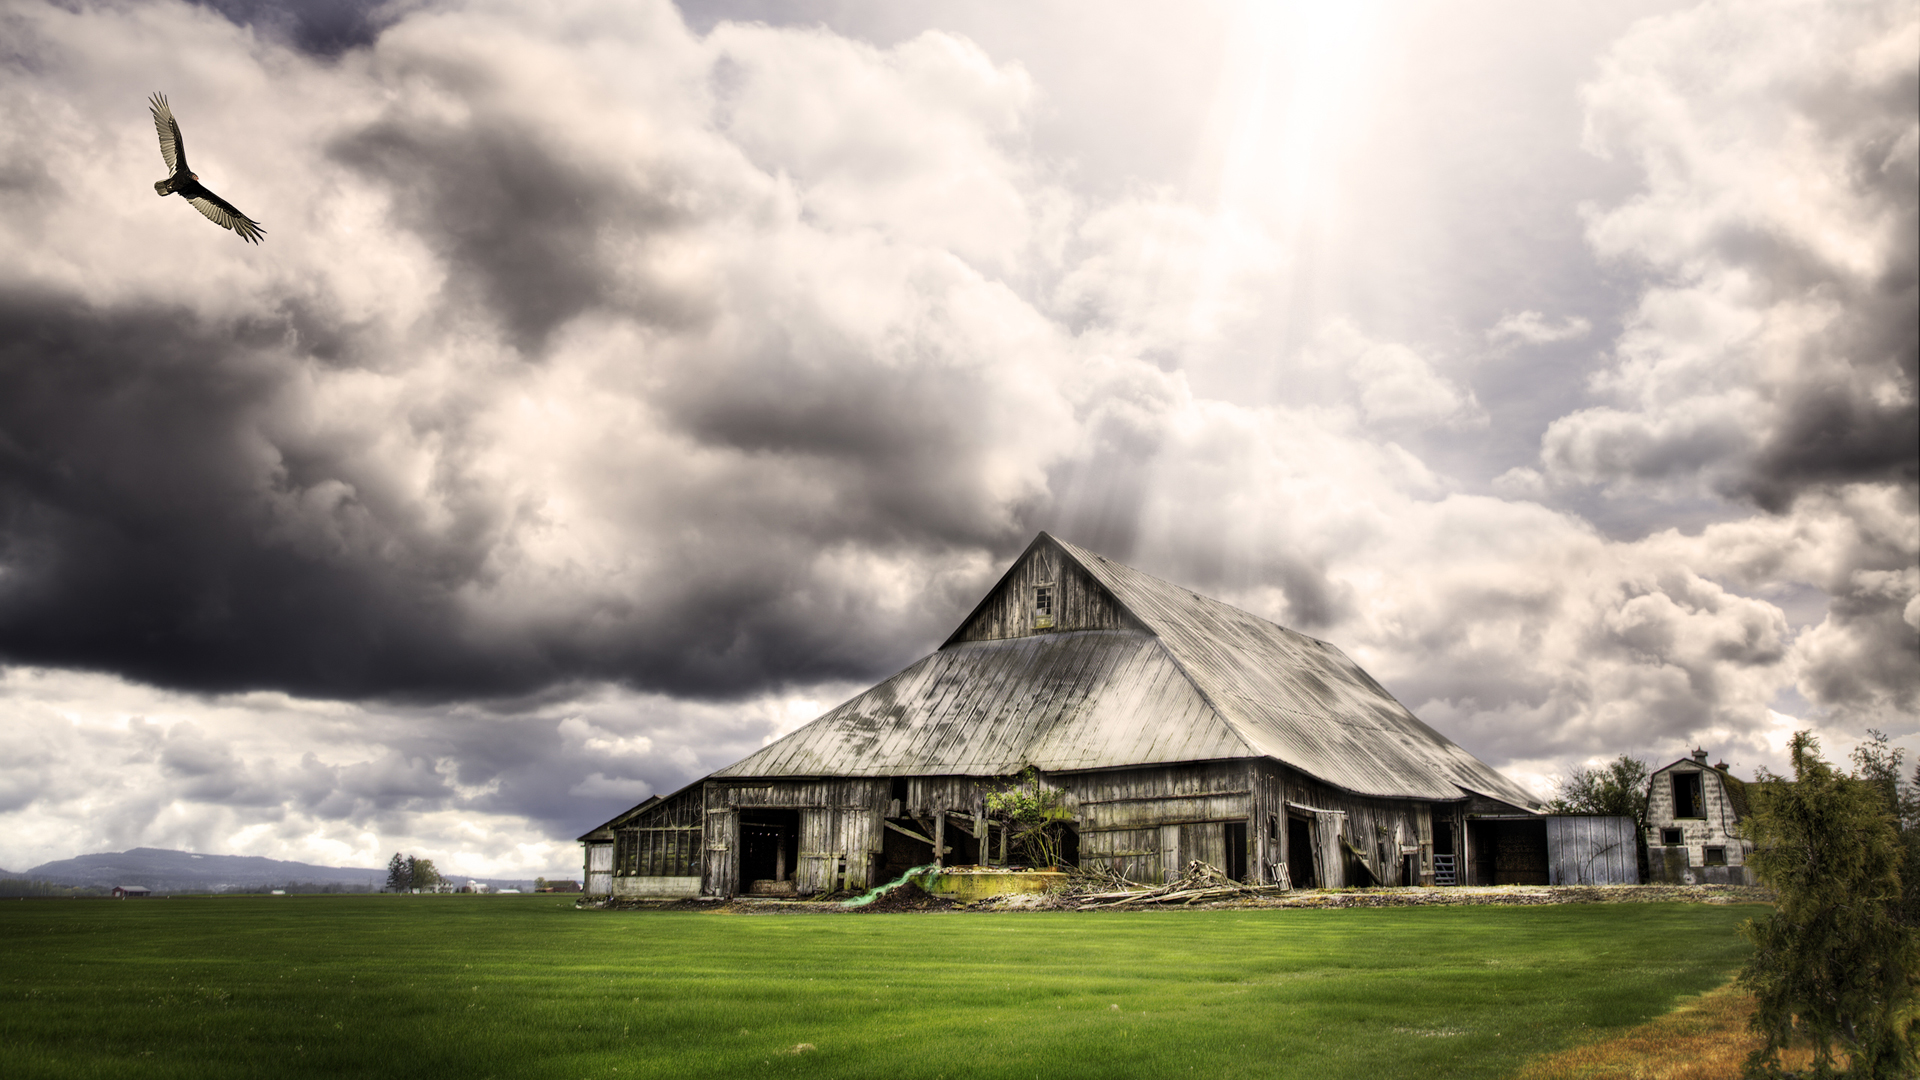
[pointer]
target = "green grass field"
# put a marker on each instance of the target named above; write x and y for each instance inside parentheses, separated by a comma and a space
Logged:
(475, 987)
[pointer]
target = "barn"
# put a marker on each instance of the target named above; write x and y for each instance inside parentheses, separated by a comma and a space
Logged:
(1693, 824)
(1175, 727)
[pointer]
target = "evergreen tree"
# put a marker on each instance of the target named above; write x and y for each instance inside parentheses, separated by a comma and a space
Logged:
(399, 876)
(1836, 962)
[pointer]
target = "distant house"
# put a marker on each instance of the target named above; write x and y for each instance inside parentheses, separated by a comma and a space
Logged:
(1693, 814)
(1173, 726)
(131, 892)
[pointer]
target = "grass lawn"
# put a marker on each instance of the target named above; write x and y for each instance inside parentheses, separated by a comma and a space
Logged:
(475, 987)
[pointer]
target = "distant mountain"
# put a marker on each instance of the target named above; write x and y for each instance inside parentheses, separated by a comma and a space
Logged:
(161, 870)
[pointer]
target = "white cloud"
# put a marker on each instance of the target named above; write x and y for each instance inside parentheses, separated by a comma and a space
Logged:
(1773, 349)
(1533, 328)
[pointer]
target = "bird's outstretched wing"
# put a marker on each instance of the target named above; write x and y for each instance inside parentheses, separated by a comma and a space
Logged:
(172, 146)
(222, 213)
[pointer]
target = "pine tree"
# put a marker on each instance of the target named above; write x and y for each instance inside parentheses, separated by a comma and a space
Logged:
(399, 877)
(1836, 962)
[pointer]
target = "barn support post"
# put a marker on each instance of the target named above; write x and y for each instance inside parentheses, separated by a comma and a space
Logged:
(940, 837)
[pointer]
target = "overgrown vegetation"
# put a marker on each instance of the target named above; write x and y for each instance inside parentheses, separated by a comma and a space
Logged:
(1034, 817)
(525, 986)
(1836, 963)
(1618, 788)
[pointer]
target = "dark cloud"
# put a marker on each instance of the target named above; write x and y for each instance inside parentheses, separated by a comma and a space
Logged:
(523, 228)
(319, 27)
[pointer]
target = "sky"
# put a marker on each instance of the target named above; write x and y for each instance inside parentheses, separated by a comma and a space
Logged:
(620, 385)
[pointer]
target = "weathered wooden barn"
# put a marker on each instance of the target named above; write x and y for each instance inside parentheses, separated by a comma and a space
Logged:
(1693, 813)
(1176, 727)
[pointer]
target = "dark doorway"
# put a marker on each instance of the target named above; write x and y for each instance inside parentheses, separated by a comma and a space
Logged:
(962, 848)
(1300, 853)
(1686, 796)
(1509, 852)
(769, 849)
(899, 852)
(1236, 838)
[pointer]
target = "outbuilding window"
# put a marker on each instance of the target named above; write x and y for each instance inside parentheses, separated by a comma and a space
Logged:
(1715, 856)
(1672, 837)
(1043, 596)
(1686, 796)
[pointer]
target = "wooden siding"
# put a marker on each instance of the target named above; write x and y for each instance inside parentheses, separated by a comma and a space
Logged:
(1381, 830)
(840, 841)
(1592, 850)
(1147, 824)
(599, 868)
(656, 848)
(1080, 602)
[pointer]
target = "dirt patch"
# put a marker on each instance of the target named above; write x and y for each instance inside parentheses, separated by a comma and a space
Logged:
(908, 897)
(1707, 1038)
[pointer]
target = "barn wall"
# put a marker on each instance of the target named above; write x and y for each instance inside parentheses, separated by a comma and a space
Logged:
(1592, 850)
(1080, 603)
(840, 826)
(653, 848)
(1381, 830)
(1147, 824)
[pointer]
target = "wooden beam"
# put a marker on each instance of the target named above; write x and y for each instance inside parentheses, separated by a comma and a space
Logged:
(904, 831)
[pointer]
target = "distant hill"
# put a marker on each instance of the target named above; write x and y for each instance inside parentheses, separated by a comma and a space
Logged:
(161, 870)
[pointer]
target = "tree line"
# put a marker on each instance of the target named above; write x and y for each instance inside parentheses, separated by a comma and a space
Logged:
(406, 874)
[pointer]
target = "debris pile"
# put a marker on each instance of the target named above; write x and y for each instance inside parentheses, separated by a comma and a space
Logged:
(1201, 883)
(908, 897)
(900, 894)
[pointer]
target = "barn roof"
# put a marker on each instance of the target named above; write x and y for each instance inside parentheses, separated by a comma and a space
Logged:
(1172, 676)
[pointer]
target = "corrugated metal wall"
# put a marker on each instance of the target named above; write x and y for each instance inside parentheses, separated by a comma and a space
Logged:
(1592, 850)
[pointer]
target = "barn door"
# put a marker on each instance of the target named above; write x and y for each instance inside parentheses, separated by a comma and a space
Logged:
(599, 869)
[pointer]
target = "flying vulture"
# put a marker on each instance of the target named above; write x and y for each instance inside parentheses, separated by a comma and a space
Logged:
(186, 185)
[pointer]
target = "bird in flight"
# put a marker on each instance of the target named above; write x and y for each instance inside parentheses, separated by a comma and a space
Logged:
(186, 185)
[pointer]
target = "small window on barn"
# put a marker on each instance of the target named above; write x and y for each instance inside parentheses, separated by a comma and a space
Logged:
(1043, 598)
(1672, 837)
(1715, 856)
(1686, 795)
